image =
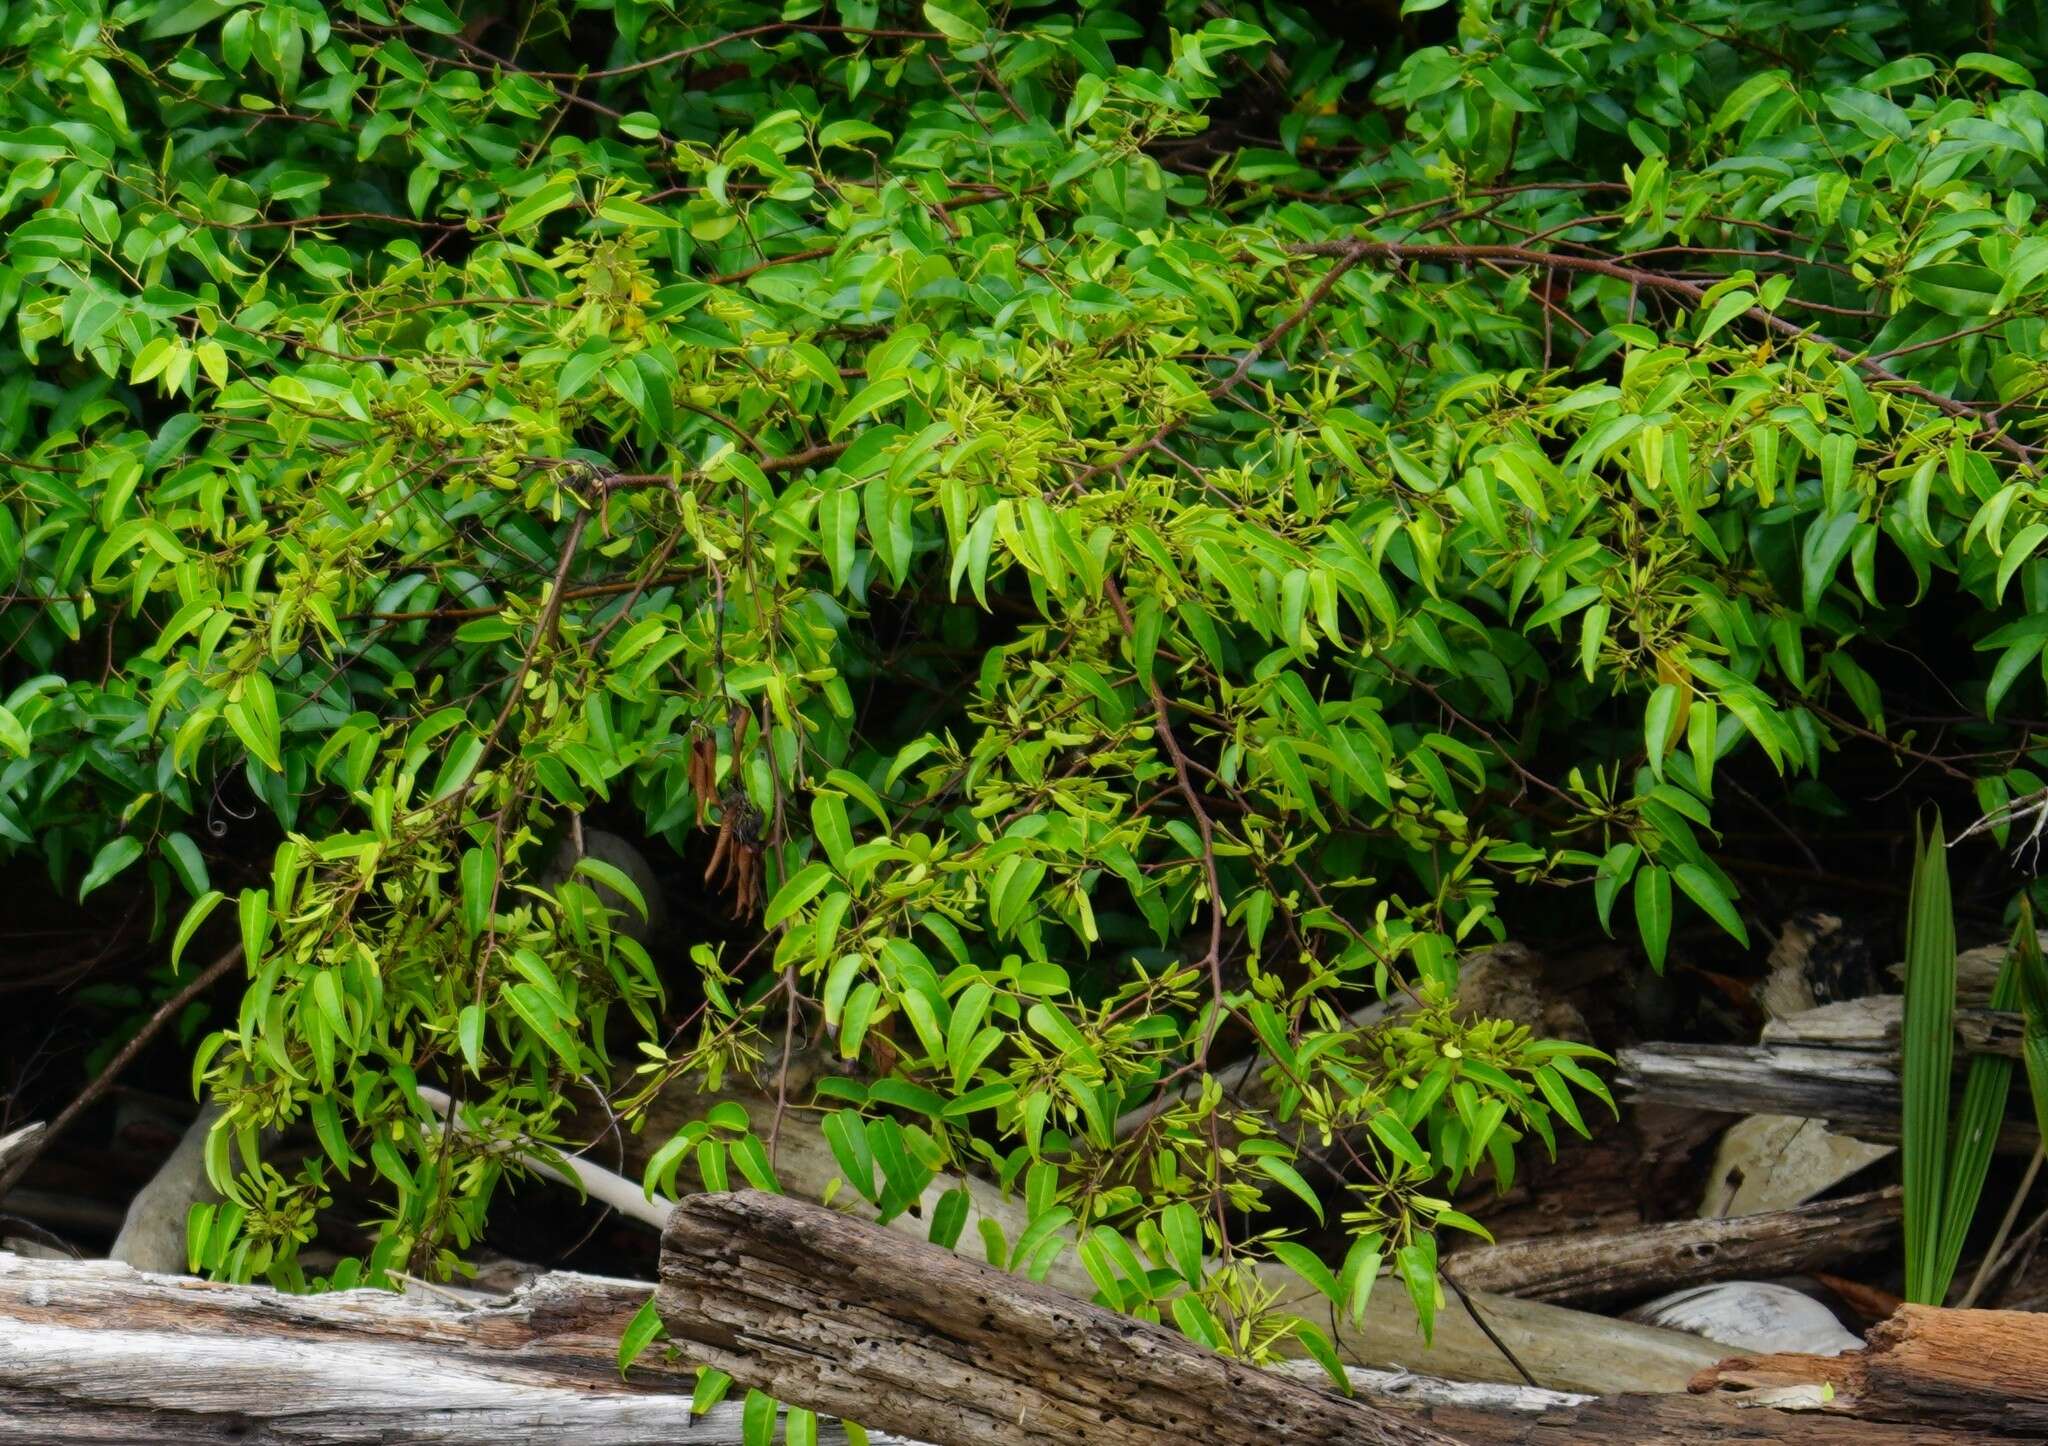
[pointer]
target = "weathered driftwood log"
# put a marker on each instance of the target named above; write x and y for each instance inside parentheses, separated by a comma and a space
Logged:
(1872, 1024)
(19, 1142)
(1662, 1420)
(836, 1314)
(1856, 1089)
(1562, 1349)
(93, 1351)
(1978, 1371)
(1583, 1269)
(96, 1352)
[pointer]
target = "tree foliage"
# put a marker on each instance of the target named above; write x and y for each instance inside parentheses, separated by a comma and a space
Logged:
(1111, 534)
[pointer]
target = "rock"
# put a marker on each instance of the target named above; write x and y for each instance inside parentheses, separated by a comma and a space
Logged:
(1506, 982)
(1773, 1162)
(623, 855)
(152, 1235)
(1752, 1314)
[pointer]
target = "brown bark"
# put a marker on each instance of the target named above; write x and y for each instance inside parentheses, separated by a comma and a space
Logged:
(1588, 1268)
(1984, 1371)
(845, 1317)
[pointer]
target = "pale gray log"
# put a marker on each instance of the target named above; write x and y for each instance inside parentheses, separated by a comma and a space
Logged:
(1852, 1088)
(92, 1351)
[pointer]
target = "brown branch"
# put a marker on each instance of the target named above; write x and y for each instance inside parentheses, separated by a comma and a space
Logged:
(688, 51)
(111, 1071)
(1348, 257)
(1356, 251)
(1163, 726)
(550, 614)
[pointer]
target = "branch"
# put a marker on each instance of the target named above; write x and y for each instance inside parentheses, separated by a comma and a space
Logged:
(165, 1013)
(1356, 251)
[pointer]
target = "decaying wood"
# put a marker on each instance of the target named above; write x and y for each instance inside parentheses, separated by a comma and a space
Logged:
(1662, 1420)
(93, 1351)
(845, 1317)
(1586, 1269)
(1872, 1024)
(19, 1142)
(1561, 1349)
(1982, 1371)
(96, 1352)
(1495, 1415)
(1855, 1089)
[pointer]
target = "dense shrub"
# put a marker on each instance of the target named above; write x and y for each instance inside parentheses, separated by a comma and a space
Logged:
(1108, 534)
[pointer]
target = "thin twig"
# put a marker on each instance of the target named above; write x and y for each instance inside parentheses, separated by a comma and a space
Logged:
(104, 1080)
(1994, 1257)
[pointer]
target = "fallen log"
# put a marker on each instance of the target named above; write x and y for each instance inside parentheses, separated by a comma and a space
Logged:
(845, 1317)
(1660, 1420)
(1561, 1349)
(1856, 1089)
(17, 1143)
(94, 1351)
(1585, 1269)
(1873, 1023)
(1979, 1371)
(836, 1314)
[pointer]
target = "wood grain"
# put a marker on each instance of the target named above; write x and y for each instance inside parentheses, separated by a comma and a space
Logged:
(844, 1316)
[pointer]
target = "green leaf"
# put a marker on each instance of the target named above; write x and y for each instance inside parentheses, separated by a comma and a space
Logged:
(1397, 1138)
(616, 879)
(479, 888)
(1999, 66)
(1926, 1041)
(253, 716)
(829, 822)
(538, 1012)
(757, 1419)
(1303, 1262)
(113, 857)
(1723, 311)
(796, 891)
(961, 21)
(641, 1332)
(1416, 1264)
(1196, 1323)
(551, 196)
(711, 1388)
(189, 925)
(1653, 912)
(256, 921)
(1181, 1229)
(469, 1030)
(1705, 890)
(1978, 1121)
(1318, 1346)
(13, 737)
(1289, 1177)
(1659, 720)
(187, 863)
